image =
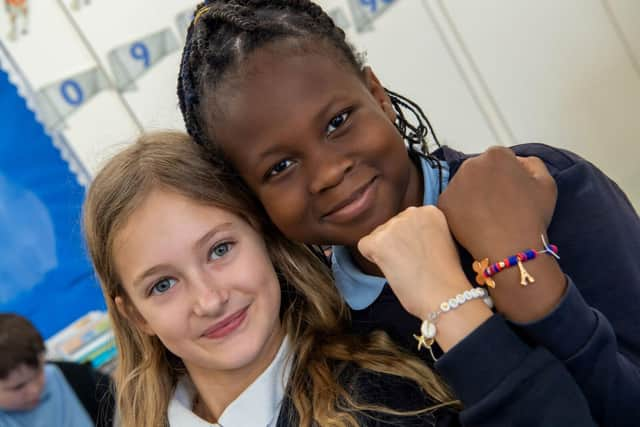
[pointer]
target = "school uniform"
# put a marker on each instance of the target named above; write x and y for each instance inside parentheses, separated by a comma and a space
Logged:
(93, 389)
(257, 406)
(265, 402)
(585, 352)
(387, 391)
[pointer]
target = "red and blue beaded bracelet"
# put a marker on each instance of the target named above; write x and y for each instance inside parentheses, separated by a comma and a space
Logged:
(486, 271)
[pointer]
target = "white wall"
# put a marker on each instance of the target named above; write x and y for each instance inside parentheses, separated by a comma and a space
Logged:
(492, 72)
(486, 72)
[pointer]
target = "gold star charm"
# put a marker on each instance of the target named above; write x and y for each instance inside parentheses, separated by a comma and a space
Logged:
(479, 267)
(423, 342)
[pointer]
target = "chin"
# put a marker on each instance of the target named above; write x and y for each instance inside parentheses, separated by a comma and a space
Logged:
(248, 352)
(30, 406)
(22, 407)
(241, 359)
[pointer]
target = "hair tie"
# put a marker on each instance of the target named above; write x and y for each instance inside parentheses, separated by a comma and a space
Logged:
(199, 13)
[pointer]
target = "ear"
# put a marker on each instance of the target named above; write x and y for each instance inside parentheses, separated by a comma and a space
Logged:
(379, 94)
(129, 312)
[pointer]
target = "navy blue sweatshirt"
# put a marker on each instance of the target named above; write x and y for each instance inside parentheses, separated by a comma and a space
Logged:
(586, 350)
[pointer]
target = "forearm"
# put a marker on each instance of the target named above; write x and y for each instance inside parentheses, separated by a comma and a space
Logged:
(584, 340)
(503, 381)
(457, 324)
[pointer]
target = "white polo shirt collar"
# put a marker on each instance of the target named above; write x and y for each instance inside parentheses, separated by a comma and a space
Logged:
(257, 406)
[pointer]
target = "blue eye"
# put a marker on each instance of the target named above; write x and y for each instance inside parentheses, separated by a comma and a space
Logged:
(279, 167)
(336, 122)
(162, 286)
(220, 250)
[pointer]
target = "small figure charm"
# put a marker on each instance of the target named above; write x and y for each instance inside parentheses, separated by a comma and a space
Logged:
(525, 277)
(482, 280)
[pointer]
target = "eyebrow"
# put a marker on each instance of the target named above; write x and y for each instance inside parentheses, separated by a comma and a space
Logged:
(199, 244)
(209, 234)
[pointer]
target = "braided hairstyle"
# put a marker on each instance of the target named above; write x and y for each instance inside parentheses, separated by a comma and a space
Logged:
(224, 33)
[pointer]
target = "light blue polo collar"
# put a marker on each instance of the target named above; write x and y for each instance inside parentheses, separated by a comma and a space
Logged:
(358, 289)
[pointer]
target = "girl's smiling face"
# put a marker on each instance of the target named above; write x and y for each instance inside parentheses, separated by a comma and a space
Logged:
(316, 142)
(201, 280)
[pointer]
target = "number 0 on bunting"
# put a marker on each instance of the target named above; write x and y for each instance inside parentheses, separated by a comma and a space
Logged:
(58, 100)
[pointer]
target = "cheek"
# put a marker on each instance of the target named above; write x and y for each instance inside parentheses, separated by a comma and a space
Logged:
(40, 385)
(264, 283)
(6, 400)
(291, 212)
(283, 219)
(269, 285)
(270, 300)
(168, 321)
(273, 294)
(282, 206)
(388, 138)
(174, 333)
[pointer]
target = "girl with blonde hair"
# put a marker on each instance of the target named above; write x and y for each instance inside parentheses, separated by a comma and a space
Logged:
(220, 319)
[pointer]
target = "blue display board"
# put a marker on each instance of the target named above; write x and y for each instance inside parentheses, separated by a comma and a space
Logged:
(44, 271)
(93, 90)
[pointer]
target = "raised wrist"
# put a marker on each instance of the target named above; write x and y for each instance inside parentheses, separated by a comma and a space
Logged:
(457, 324)
(442, 294)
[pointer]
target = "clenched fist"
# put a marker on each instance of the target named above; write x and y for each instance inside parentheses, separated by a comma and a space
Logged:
(416, 253)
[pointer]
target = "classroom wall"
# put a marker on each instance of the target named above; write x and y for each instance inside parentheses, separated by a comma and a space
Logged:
(497, 72)
(562, 72)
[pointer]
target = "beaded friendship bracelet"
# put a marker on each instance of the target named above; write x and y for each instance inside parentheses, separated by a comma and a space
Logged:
(428, 328)
(486, 271)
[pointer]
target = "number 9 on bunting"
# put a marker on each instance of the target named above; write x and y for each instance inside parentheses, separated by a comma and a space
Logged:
(364, 12)
(131, 60)
(373, 4)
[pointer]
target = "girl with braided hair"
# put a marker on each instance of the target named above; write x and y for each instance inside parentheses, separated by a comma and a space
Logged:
(277, 96)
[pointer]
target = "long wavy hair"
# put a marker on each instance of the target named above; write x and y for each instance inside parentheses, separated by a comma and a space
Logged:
(313, 315)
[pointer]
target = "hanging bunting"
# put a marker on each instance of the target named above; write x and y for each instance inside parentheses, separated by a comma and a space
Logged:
(58, 100)
(364, 12)
(131, 60)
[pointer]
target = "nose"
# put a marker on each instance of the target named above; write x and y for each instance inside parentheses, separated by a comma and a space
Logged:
(328, 169)
(210, 298)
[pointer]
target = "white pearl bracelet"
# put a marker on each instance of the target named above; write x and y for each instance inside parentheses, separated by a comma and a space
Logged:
(428, 328)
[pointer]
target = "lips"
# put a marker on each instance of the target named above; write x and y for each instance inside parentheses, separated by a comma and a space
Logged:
(227, 325)
(353, 205)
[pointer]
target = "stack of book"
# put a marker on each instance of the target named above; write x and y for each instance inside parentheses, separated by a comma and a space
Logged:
(88, 339)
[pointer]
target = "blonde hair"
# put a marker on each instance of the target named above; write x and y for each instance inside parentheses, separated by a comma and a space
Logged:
(314, 317)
